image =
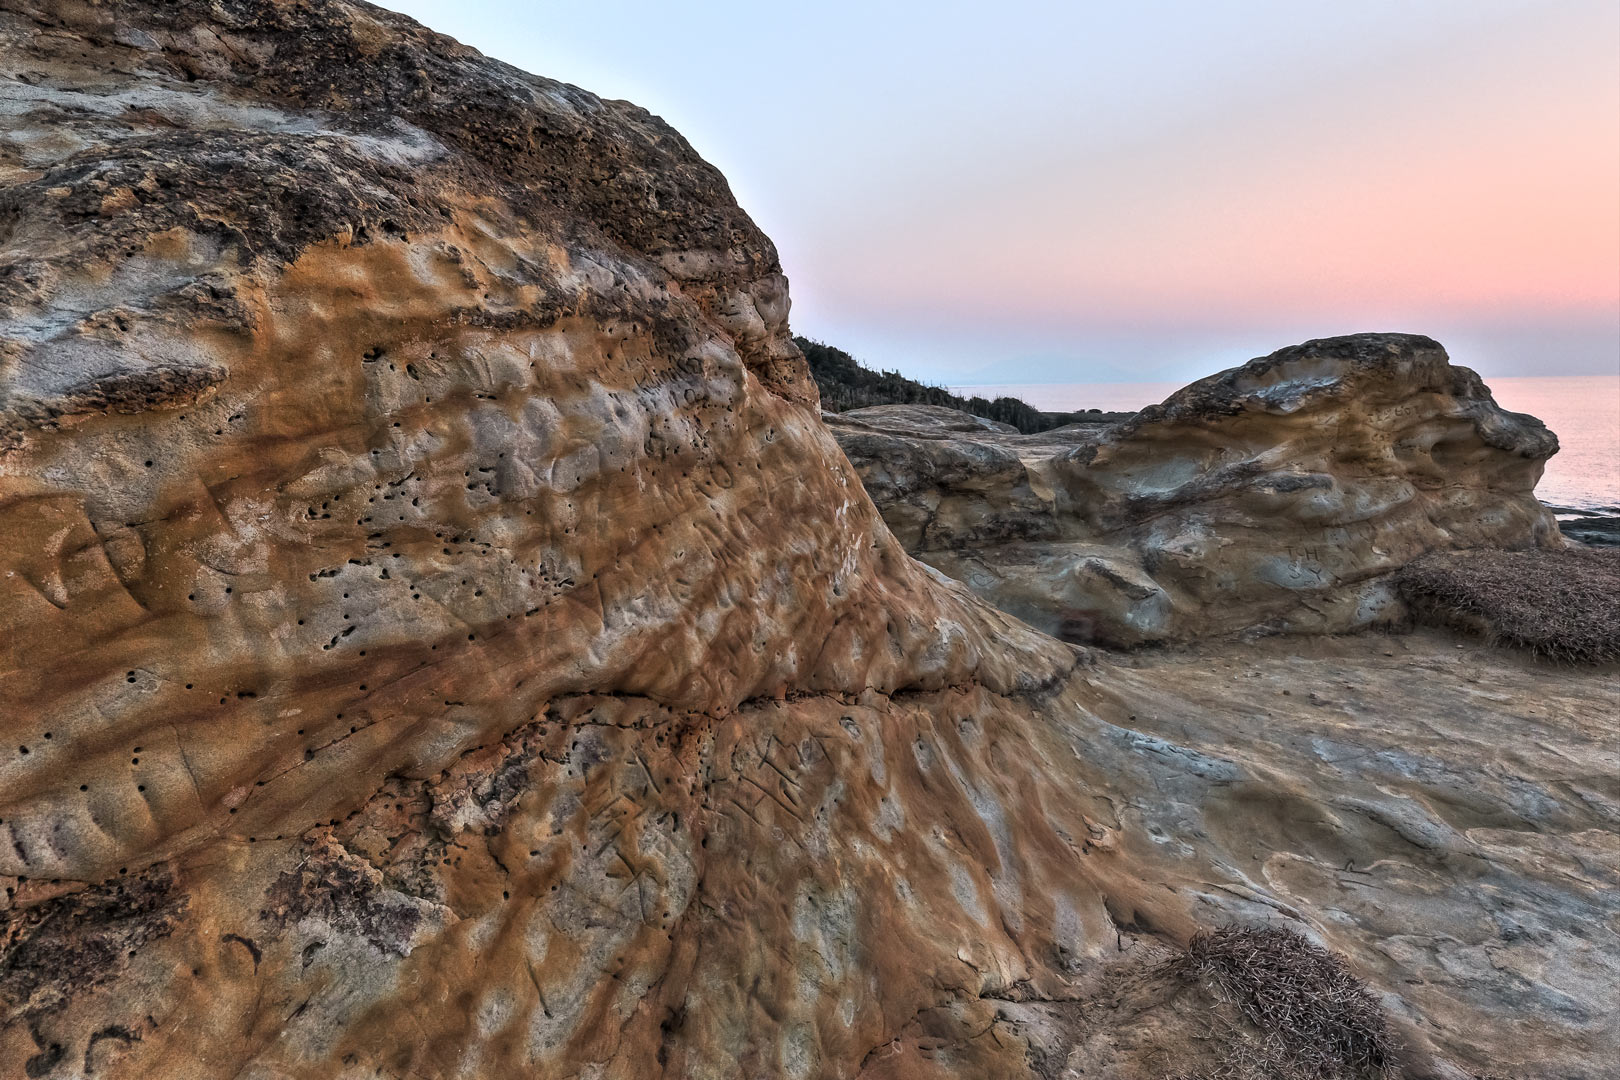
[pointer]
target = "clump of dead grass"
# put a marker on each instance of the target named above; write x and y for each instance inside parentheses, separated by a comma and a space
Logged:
(1563, 604)
(1291, 1010)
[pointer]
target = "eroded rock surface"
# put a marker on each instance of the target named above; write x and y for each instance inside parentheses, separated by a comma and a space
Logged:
(1462, 843)
(439, 637)
(428, 583)
(1278, 495)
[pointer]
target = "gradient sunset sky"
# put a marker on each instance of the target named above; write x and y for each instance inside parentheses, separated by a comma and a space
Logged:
(1022, 192)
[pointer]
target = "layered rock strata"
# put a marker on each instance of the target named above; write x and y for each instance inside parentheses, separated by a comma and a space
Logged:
(1279, 495)
(439, 636)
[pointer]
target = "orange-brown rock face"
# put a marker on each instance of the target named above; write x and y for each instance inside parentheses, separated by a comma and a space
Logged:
(440, 638)
(439, 635)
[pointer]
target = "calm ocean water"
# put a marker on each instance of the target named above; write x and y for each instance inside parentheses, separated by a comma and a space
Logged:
(1584, 411)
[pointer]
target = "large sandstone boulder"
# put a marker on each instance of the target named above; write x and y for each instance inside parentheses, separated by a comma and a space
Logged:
(439, 637)
(1279, 495)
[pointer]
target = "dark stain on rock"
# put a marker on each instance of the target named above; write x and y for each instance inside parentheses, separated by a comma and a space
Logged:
(346, 892)
(53, 951)
(160, 386)
(112, 1031)
(50, 1053)
(247, 943)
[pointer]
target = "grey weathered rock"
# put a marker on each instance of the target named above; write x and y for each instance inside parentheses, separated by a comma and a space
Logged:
(1447, 814)
(1278, 495)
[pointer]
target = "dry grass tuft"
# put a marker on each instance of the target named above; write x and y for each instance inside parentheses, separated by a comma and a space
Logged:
(1561, 604)
(1293, 1010)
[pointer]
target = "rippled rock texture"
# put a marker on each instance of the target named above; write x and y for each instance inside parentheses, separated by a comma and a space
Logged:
(1278, 496)
(439, 637)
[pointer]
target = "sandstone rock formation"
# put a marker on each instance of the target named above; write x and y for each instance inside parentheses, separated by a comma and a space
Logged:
(1278, 495)
(440, 638)
(1448, 814)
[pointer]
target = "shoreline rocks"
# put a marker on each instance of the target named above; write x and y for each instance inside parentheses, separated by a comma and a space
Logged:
(1276, 497)
(1599, 527)
(440, 638)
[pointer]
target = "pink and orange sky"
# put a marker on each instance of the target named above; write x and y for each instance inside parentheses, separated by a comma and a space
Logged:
(1038, 192)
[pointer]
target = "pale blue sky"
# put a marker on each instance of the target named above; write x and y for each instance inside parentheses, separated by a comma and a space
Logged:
(1026, 192)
